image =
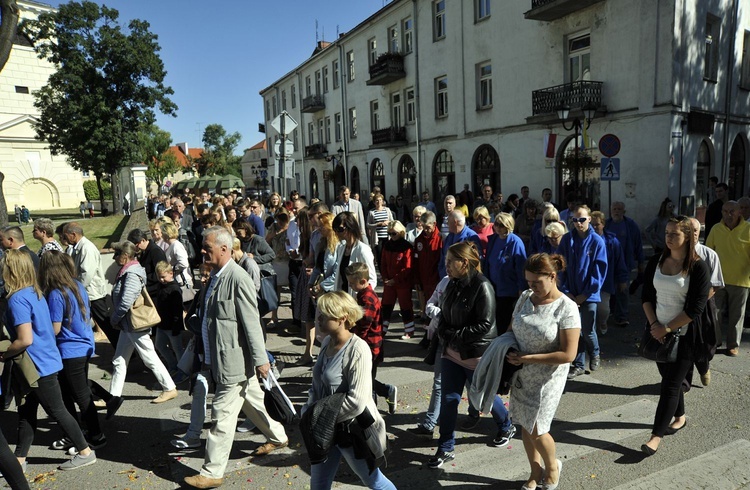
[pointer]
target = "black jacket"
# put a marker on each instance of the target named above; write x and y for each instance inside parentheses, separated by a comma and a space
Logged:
(168, 301)
(148, 259)
(697, 293)
(467, 318)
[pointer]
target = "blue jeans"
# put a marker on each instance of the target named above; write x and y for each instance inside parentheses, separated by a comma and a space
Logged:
(170, 347)
(433, 410)
(322, 475)
(589, 343)
(454, 378)
(198, 405)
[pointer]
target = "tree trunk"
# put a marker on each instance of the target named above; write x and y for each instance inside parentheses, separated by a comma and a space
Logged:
(8, 26)
(3, 207)
(99, 188)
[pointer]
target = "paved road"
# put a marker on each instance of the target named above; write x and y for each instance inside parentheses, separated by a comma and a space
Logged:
(602, 421)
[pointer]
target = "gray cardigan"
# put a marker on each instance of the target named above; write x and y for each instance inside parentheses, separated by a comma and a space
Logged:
(126, 290)
(235, 336)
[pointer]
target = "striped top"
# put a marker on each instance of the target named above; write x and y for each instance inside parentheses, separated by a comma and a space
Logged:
(382, 215)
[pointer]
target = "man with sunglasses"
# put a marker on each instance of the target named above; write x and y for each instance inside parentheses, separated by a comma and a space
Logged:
(586, 256)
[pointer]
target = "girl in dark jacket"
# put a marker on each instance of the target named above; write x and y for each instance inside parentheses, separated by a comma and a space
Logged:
(466, 328)
(169, 305)
(395, 267)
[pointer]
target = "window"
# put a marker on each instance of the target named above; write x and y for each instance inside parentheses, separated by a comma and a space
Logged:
(484, 85)
(438, 22)
(441, 97)
(372, 50)
(268, 110)
(481, 9)
(23, 90)
(393, 39)
(374, 116)
(275, 105)
(335, 73)
(579, 58)
(325, 79)
(411, 107)
(352, 122)
(294, 96)
(86, 173)
(350, 65)
(321, 133)
(396, 118)
(745, 70)
(283, 100)
(328, 129)
(318, 83)
(337, 129)
(408, 27)
(711, 60)
(295, 138)
(310, 133)
(308, 86)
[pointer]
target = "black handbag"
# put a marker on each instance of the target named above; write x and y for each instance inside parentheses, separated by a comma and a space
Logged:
(268, 298)
(277, 404)
(652, 349)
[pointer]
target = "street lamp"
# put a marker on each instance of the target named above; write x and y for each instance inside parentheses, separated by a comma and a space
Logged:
(589, 112)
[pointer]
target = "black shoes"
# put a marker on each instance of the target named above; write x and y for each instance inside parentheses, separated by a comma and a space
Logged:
(113, 405)
(595, 363)
(575, 372)
(671, 430)
(440, 458)
(504, 436)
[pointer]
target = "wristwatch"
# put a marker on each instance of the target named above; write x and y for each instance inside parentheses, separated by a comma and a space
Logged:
(669, 330)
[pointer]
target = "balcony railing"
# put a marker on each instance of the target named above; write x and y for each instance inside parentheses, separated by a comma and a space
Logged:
(392, 136)
(388, 68)
(316, 151)
(574, 95)
(549, 10)
(313, 103)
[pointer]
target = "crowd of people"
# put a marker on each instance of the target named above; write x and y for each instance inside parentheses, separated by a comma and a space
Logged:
(512, 296)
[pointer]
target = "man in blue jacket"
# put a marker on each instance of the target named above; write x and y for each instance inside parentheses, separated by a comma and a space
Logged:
(629, 234)
(457, 232)
(586, 257)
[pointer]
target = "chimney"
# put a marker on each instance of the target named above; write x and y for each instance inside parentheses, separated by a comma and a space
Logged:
(183, 147)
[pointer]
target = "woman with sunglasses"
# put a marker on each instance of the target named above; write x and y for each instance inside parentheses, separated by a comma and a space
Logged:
(586, 255)
(538, 237)
(553, 234)
(675, 290)
(503, 266)
(351, 249)
(395, 268)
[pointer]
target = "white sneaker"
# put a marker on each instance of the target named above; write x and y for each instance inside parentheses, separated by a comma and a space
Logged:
(185, 443)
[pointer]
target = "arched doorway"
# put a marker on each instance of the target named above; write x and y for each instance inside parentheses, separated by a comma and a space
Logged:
(407, 179)
(578, 172)
(377, 175)
(702, 174)
(444, 177)
(485, 169)
(355, 185)
(737, 162)
(314, 184)
(339, 178)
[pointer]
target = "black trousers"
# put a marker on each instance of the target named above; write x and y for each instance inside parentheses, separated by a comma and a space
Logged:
(48, 395)
(101, 310)
(295, 267)
(671, 396)
(74, 384)
(10, 467)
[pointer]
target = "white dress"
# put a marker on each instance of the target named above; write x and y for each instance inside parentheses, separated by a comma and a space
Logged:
(537, 388)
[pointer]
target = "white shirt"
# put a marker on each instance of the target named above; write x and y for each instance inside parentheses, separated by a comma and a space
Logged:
(292, 236)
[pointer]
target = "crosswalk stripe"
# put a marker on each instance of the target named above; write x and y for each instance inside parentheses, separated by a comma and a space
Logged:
(723, 468)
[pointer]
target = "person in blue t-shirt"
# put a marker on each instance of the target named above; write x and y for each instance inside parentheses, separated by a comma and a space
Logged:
(30, 327)
(69, 310)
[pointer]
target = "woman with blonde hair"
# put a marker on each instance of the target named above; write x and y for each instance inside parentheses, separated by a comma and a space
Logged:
(553, 234)
(395, 268)
(155, 227)
(176, 254)
(483, 226)
(29, 324)
(345, 366)
(538, 237)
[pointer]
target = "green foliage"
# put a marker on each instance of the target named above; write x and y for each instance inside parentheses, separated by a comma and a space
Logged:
(218, 156)
(109, 80)
(92, 191)
(153, 146)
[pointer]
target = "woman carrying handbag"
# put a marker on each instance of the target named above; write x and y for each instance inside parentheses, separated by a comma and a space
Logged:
(675, 291)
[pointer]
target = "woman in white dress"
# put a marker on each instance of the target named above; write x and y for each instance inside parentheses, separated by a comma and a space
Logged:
(547, 326)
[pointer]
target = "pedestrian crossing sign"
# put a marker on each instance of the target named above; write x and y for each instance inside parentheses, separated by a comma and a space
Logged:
(610, 169)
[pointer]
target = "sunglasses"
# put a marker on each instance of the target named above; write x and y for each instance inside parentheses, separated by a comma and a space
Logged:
(340, 229)
(579, 220)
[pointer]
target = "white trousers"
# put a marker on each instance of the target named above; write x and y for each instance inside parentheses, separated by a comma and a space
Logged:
(141, 343)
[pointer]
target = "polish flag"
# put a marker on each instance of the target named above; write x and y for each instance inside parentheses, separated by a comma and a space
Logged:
(549, 145)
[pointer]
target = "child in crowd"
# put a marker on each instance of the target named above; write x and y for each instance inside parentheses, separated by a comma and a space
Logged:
(398, 282)
(169, 331)
(369, 328)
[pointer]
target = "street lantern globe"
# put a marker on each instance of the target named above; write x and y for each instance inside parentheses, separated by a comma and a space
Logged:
(340, 153)
(589, 110)
(563, 112)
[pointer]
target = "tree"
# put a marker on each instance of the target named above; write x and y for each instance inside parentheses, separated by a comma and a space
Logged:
(218, 152)
(153, 146)
(8, 26)
(109, 79)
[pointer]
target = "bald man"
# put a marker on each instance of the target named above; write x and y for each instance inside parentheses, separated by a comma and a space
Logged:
(457, 232)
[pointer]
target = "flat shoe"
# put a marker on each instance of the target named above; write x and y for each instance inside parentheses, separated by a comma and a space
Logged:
(553, 486)
(647, 450)
(268, 448)
(671, 430)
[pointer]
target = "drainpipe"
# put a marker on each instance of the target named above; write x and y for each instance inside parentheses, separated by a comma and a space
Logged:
(344, 74)
(417, 99)
(728, 92)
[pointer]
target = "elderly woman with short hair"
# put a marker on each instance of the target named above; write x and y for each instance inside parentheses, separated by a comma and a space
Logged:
(503, 266)
(413, 230)
(483, 226)
(553, 234)
(44, 231)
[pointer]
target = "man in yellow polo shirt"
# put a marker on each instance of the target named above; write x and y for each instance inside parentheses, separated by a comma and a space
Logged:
(730, 239)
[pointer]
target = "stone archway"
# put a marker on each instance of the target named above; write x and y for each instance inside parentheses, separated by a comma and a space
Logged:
(377, 175)
(485, 169)
(39, 194)
(444, 177)
(407, 179)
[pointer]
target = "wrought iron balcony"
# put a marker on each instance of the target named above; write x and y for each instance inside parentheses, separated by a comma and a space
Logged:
(313, 103)
(392, 136)
(574, 95)
(549, 10)
(316, 151)
(388, 68)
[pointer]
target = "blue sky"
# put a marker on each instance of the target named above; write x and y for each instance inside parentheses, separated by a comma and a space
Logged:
(220, 55)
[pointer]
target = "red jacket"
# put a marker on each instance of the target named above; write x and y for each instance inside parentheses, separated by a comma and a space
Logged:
(369, 327)
(427, 253)
(395, 263)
